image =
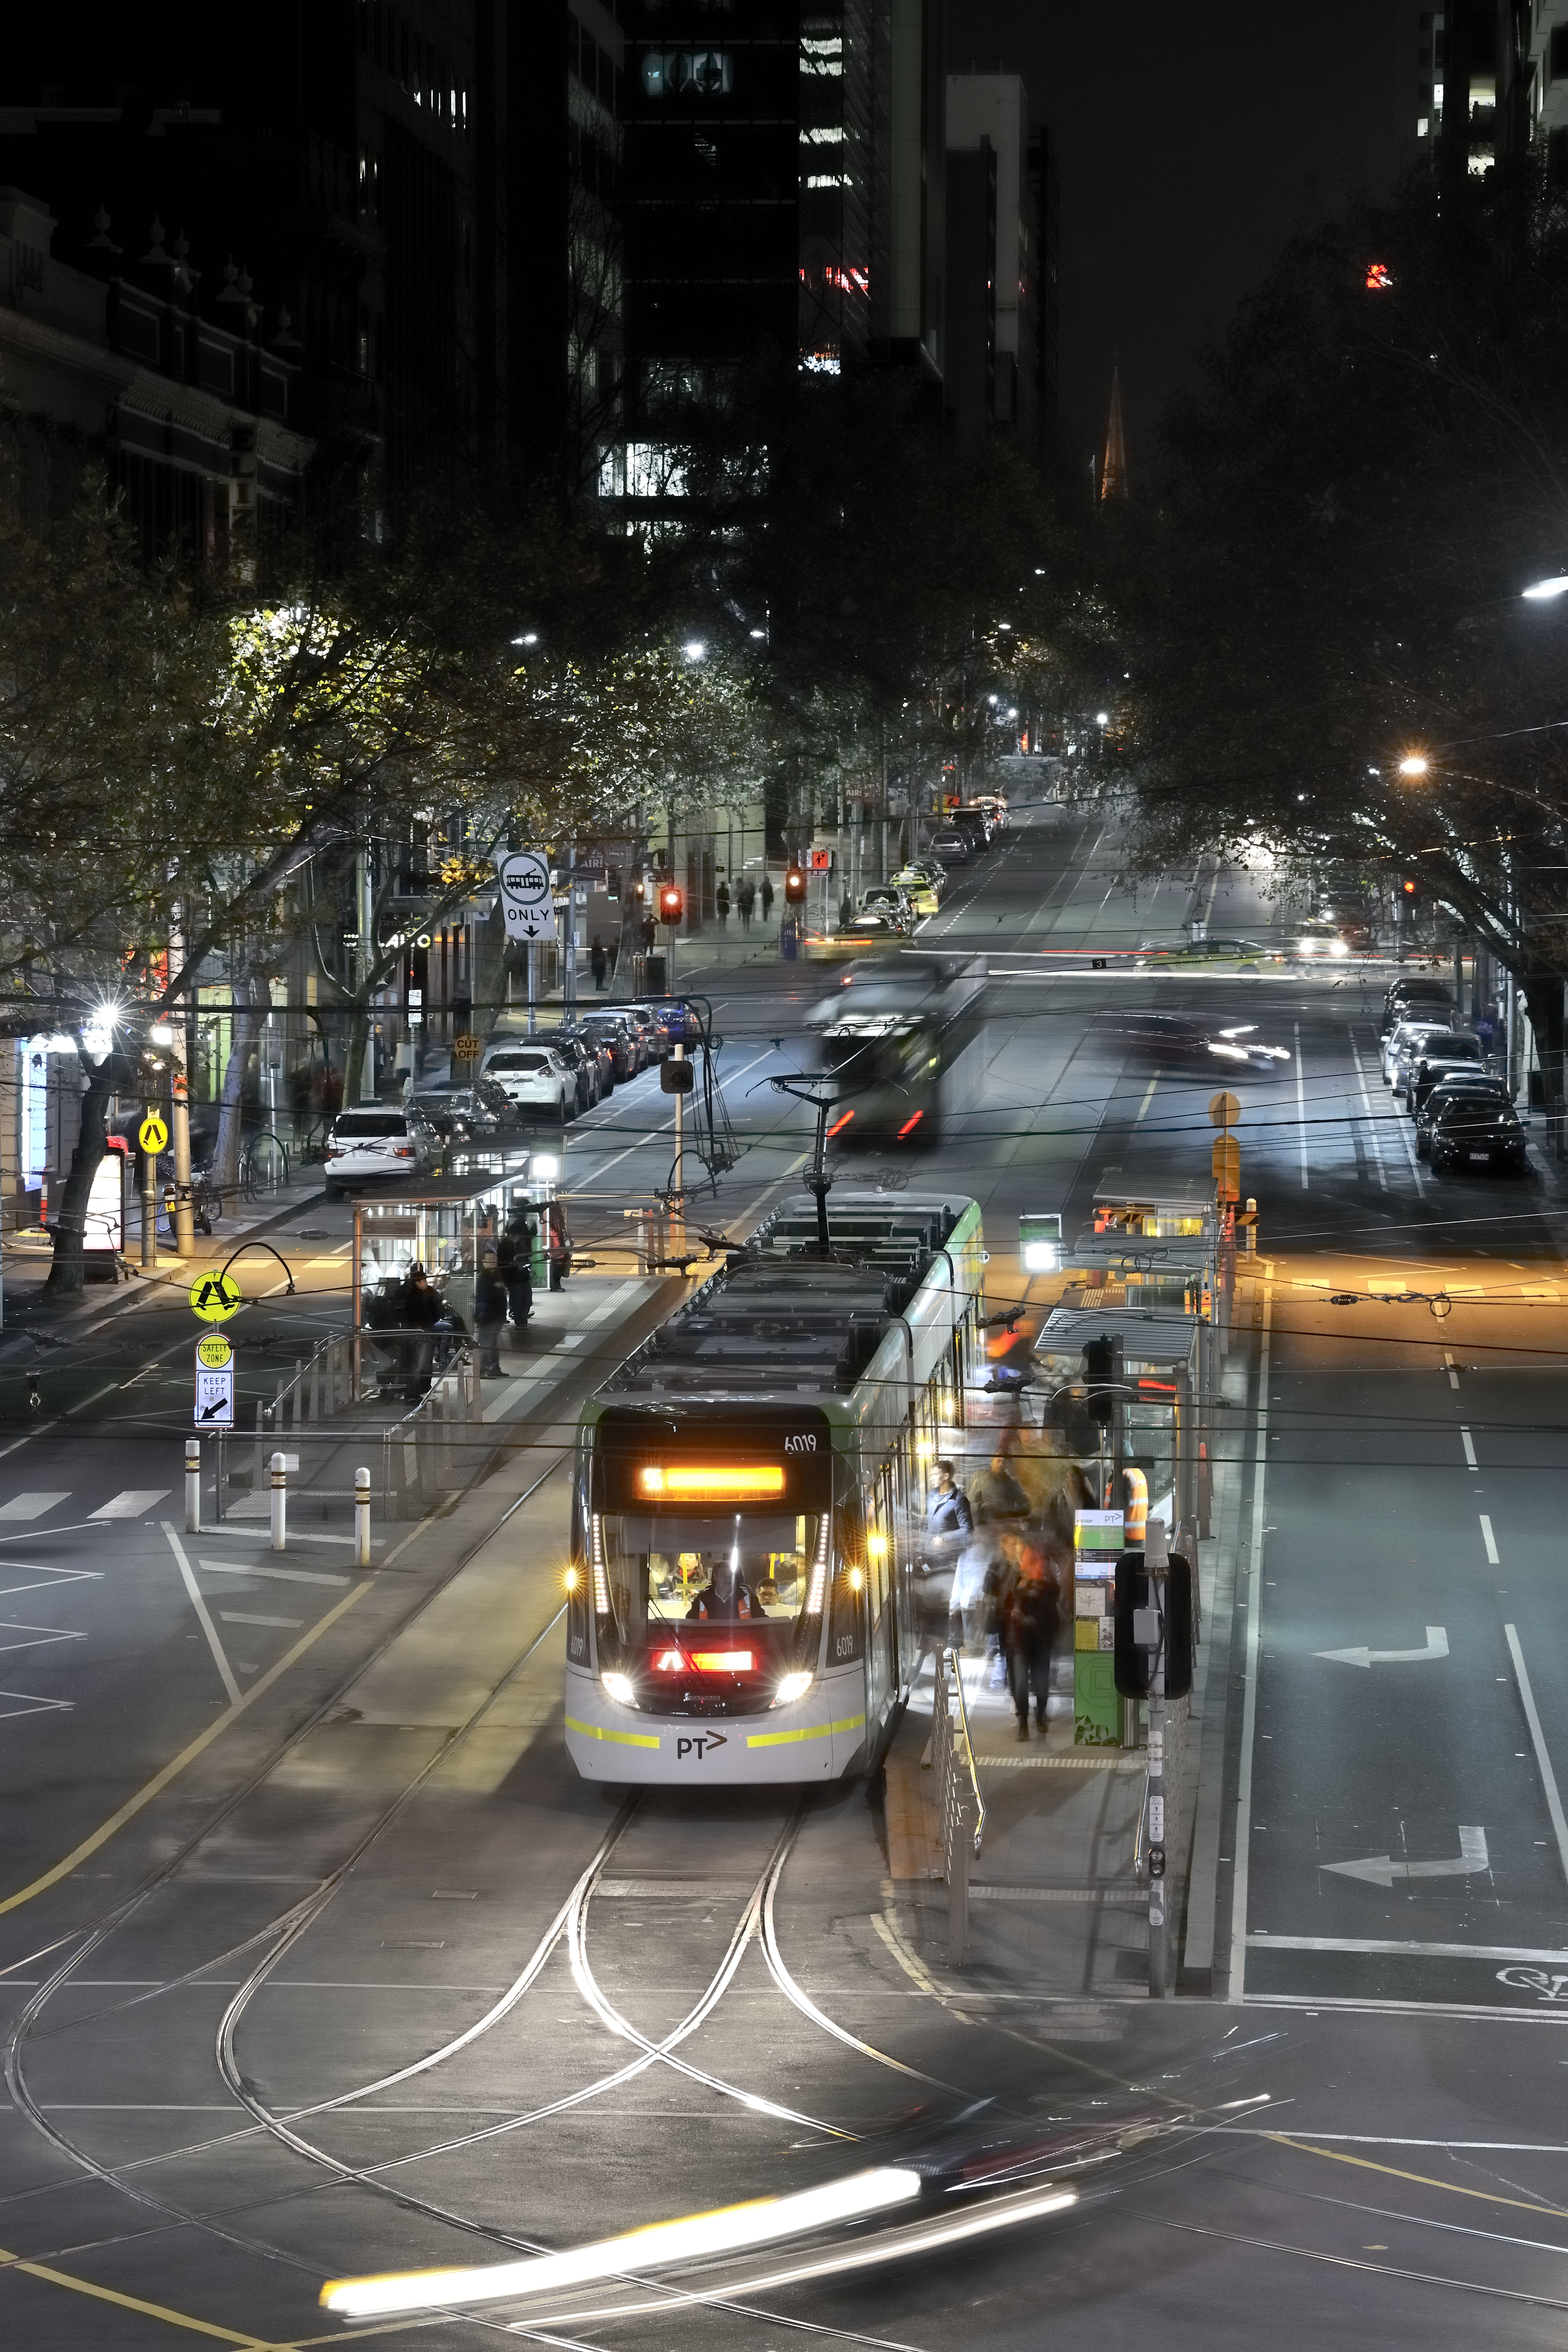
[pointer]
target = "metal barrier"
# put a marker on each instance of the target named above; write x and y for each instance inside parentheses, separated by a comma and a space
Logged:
(961, 1809)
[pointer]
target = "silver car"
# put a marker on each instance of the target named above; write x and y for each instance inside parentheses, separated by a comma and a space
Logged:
(1402, 1049)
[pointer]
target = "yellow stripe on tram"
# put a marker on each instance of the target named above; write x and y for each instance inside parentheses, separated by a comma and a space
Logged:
(619, 1739)
(807, 1731)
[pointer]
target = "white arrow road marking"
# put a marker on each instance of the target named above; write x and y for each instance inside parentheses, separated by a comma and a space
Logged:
(1437, 1647)
(1378, 1870)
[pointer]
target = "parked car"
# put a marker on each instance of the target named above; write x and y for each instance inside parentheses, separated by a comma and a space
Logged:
(650, 1016)
(920, 889)
(580, 1056)
(1403, 1045)
(599, 1053)
(1471, 1133)
(482, 1112)
(376, 1145)
(883, 899)
(1444, 1052)
(618, 1035)
(1415, 998)
(532, 1075)
(952, 848)
(976, 826)
(1475, 1083)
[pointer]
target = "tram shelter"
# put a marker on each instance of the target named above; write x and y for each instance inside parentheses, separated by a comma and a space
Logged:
(445, 1228)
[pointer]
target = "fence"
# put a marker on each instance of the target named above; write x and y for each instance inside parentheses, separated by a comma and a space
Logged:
(960, 1809)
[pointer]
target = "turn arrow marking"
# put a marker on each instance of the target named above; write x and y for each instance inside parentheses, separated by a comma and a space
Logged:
(1437, 1647)
(1378, 1870)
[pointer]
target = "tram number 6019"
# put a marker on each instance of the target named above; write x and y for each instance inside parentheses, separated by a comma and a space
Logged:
(802, 1444)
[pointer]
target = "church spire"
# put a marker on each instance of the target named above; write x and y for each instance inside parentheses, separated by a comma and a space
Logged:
(1113, 472)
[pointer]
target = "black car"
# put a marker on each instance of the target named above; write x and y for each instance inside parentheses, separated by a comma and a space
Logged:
(615, 1031)
(1470, 1133)
(479, 1113)
(1474, 1082)
(975, 824)
(1415, 1000)
(581, 1055)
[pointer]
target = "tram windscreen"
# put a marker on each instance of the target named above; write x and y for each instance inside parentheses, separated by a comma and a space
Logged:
(739, 1574)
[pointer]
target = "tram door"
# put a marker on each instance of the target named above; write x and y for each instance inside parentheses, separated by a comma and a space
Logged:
(881, 1599)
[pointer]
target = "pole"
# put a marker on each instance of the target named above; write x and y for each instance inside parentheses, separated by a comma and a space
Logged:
(180, 1120)
(280, 1503)
(680, 1185)
(149, 1212)
(532, 987)
(192, 1485)
(364, 961)
(362, 1519)
(1155, 1564)
(569, 967)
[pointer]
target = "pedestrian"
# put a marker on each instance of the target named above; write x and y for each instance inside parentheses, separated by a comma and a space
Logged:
(948, 1513)
(422, 1310)
(995, 1494)
(746, 898)
(514, 1263)
(722, 900)
(1030, 1611)
(767, 898)
(490, 1314)
(599, 964)
(966, 1603)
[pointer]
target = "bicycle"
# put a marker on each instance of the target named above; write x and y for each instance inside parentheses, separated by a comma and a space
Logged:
(263, 1166)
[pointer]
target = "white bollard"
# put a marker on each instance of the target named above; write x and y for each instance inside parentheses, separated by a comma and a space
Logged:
(192, 1485)
(279, 1502)
(362, 1519)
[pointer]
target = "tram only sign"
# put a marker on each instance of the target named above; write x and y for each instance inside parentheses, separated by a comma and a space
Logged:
(525, 896)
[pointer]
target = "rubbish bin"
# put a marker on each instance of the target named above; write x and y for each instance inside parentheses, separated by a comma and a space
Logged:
(654, 969)
(787, 940)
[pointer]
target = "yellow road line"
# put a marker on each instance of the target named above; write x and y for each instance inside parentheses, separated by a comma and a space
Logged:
(171, 1770)
(1487, 2196)
(9, 2261)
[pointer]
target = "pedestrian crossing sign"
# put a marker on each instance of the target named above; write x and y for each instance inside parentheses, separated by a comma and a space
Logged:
(152, 1135)
(215, 1296)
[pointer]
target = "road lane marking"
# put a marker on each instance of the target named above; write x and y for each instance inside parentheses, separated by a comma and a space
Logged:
(234, 1617)
(202, 1614)
(1143, 1106)
(1301, 1109)
(45, 1635)
(1261, 1941)
(1372, 1122)
(51, 2277)
(1249, 1703)
(1382, 1870)
(171, 1772)
(1453, 1375)
(1538, 1738)
(29, 1704)
(31, 1506)
(286, 1575)
(1437, 1647)
(1489, 1539)
(1469, 1446)
(132, 1503)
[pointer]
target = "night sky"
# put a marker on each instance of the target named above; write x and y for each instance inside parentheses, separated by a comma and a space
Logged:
(1192, 142)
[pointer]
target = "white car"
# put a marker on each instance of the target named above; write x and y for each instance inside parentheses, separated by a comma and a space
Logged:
(372, 1146)
(1402, 1049)
(532, 1076)
(1318, 939)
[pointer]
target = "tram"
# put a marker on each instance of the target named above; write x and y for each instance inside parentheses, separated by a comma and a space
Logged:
(906, 1048)
(748, 1498)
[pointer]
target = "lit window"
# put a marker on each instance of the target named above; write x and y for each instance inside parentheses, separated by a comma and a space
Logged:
(829, 135)
(828, 180)
(823, 362)
(706, 73)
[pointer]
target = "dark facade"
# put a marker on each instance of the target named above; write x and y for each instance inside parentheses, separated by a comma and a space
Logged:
(332, 181)
(969, 382)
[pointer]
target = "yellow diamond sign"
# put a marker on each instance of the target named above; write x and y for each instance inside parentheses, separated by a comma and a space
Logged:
(215, 1296)
(214, 1351)
(152, 1135)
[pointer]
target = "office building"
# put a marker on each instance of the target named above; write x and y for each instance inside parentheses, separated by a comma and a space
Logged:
(1491, 77)
(1001, 261)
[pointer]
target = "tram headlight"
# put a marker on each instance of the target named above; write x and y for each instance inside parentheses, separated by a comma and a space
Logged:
(619, 1688)
(792, 1688)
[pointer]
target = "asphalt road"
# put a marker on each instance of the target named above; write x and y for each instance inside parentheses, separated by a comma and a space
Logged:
(373, 1981)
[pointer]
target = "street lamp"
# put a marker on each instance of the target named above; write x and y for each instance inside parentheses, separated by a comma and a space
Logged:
(1542, 592)
(1414, 763)
(694, 649)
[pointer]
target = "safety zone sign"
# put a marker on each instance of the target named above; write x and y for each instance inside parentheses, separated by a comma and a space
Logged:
(214, 1351)
(215, 1296)
(214, 1397)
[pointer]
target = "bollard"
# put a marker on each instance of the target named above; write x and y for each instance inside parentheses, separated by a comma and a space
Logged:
(279, 1504)
(362, 1519)
(192, 1485)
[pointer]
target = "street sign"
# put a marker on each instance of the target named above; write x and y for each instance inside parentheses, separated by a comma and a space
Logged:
(214, 1398)
(1225, 1162)
(821, 859)
(1224, 1110)
(525, 900)
(467, 1048)
(152, 1135)
(215, 1296)
(214, 1351)
(1040, 1242)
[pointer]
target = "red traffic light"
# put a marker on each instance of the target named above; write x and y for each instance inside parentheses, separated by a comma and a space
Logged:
(671, 902)
(794, 888)
(1410, 889)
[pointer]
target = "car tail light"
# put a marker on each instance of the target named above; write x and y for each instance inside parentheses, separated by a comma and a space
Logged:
(336, 1151)
(403, 1151)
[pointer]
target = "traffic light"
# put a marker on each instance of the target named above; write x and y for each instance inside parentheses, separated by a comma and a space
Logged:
(671, 902)
(794, 888)
(1103, 1375)
(1143, 1629)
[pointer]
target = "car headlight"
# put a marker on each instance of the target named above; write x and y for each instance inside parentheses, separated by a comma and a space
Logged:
(619, 1688)
(792, 1688)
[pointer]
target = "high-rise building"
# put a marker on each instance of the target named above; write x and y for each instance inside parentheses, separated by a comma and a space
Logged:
(1001, 259)
(1490, 76)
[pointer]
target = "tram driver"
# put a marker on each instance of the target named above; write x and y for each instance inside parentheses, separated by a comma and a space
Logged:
(726, 1596)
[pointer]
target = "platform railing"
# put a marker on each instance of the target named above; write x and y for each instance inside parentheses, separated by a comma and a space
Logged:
(961, 1809)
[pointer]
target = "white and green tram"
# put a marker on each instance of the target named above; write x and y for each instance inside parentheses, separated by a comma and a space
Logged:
(749, 1496)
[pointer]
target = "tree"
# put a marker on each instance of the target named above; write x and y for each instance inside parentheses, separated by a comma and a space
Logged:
(1331, 657)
